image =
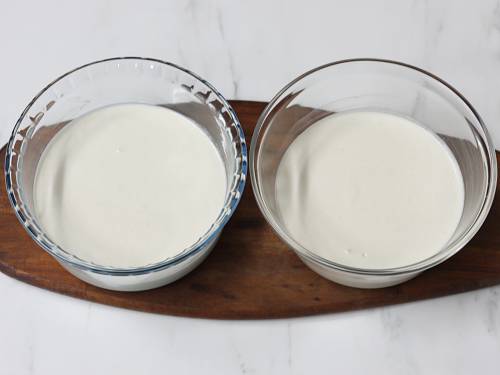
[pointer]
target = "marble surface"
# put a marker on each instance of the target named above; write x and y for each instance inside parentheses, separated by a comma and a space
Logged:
(249, 50)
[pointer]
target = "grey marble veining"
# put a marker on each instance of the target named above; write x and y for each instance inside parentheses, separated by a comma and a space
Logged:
(249, 50)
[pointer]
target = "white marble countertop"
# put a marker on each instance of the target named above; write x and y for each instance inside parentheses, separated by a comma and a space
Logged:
(249, 50)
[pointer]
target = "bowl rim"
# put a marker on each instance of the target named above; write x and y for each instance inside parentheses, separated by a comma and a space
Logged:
(441, 256)
(233, 196)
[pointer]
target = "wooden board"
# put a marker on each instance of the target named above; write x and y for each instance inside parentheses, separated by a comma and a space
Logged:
(251, 274)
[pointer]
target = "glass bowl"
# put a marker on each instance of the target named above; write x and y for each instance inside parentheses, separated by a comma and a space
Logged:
(114, 81)
(388, 86)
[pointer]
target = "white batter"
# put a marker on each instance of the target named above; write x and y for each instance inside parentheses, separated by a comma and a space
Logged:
(369, 190)
(129, 185)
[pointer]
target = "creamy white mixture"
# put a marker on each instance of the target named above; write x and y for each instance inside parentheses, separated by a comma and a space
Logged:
(369, 190)
(129, 185)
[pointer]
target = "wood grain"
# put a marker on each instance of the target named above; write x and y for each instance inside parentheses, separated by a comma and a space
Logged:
(251, 274)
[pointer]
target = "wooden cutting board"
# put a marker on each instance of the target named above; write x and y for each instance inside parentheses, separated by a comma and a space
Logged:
(251, 274)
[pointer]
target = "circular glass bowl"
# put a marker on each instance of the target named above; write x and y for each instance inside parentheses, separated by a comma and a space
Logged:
(388, 86)
(114, 81)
